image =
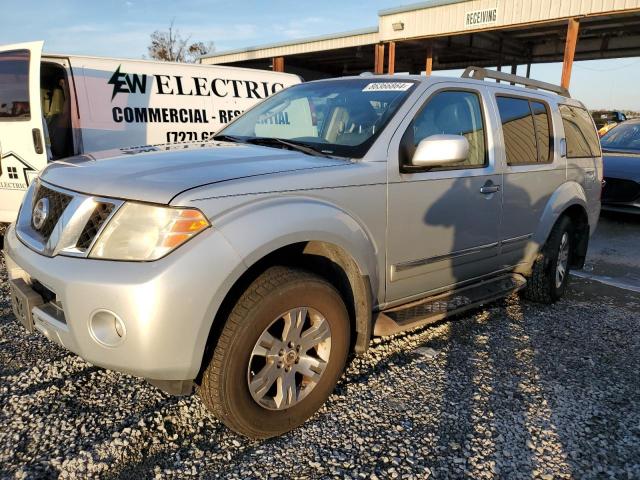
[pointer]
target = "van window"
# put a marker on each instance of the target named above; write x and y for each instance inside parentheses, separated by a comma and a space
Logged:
(296, 120)
(580, 134)
(452, 112)
(14, 85)
(527, 130)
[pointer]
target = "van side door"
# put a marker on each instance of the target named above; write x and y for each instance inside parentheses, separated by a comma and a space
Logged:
(443, 222)
(22, 143)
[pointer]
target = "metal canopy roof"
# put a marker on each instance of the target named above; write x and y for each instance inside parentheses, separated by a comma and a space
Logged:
(517, 32)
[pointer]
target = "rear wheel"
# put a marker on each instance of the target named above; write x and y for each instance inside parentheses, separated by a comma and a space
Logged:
(550, 273)
(280, 354)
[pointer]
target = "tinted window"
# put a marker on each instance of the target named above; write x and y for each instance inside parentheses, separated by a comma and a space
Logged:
(625, 136)
(452, 113)
(14, 85)
(518, 130)
(582, 139)
(543, 137)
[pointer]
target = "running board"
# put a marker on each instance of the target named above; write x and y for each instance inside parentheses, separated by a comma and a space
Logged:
(433, 309)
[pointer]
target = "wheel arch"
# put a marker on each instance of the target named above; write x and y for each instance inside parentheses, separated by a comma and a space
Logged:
(309, 235)
(570, 200)
(327, 260)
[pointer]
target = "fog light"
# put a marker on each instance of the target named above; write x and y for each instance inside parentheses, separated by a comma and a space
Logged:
(107, 328)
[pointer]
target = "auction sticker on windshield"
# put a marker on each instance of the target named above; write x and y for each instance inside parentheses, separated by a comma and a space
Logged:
(388, 87)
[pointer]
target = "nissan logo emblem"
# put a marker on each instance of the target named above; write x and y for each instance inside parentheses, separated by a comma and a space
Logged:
(40, 213)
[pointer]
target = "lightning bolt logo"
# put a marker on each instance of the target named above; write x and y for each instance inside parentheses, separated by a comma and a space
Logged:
(119, 82)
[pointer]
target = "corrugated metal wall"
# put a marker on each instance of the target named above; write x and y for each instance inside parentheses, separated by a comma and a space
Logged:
(439, 20)
(448, 19)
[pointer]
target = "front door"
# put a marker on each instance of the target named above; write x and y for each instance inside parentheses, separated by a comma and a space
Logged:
(22, 142)
(443, 223)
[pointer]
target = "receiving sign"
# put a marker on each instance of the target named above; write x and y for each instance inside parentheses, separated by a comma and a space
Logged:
(481, 17)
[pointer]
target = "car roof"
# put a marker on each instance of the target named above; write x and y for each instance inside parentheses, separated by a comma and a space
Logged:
(431, 79)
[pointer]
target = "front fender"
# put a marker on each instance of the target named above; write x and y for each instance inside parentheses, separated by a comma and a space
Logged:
(262, 226)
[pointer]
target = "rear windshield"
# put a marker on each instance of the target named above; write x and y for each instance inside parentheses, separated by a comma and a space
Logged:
(14, 85)
(580, 134)
(625, 136)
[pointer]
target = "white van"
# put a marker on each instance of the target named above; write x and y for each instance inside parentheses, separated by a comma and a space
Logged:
(55, 106)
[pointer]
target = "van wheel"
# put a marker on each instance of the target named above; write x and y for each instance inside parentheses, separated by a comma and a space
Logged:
(550, 274)
(280, 354)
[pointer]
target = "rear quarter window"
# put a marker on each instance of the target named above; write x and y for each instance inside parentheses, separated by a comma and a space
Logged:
(580, 134)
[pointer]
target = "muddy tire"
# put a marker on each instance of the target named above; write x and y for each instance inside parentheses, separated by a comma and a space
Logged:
(280, 354)
(550, 275)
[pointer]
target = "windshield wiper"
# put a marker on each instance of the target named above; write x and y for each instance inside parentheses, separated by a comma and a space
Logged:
(229, 138)
(300, 147)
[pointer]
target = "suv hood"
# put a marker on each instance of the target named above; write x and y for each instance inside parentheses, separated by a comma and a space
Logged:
(158, 173)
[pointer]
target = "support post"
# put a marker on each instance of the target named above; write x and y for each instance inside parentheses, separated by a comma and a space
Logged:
(529, 69)
(428, 68)
(392, 58)
(573, 28)
(278, 64)
(500, 48)
(378, 68)
(514, 70)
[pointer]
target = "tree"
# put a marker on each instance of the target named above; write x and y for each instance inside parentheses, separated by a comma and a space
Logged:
(170, 46)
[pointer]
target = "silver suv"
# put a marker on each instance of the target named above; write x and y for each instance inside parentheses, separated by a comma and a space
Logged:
(250, 267)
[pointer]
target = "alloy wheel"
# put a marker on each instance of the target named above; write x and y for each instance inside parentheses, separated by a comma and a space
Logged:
(289, 358)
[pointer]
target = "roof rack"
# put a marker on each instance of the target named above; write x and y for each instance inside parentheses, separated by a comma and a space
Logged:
(480, 73)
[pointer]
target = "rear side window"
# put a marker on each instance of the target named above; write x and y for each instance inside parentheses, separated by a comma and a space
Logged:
(14, 85)
(525, 127)
(581, 137)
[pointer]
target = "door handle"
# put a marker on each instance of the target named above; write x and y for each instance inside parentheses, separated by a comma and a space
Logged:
(37, 141)
(490, 189)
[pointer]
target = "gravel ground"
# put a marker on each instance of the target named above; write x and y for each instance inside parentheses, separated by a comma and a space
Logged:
(514, 390)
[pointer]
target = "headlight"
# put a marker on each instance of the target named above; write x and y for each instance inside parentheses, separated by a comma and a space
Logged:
(147, 232)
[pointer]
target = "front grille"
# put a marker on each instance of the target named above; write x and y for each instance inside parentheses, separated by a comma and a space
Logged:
(94, 224)
(79, 217)
(618, 190)
(58, 202)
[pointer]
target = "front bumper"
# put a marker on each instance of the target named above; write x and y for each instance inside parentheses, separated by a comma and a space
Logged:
(167, 306)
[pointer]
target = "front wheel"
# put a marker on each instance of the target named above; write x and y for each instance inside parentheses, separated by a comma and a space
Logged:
(550, 272)
(280, 354)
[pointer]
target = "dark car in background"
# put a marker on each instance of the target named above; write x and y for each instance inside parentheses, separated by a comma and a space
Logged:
(621, 154)
(605, 120)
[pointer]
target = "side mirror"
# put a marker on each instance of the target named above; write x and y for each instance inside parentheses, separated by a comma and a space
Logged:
(440, 150)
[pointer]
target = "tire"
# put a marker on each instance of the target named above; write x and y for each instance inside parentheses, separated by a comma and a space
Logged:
(263, 307)
(545, 284)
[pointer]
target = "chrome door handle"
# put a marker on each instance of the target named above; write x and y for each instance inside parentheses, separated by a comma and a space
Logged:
(490, 189)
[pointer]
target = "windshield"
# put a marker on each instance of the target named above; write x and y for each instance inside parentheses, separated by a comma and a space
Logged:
(625, 136)
(335, 117)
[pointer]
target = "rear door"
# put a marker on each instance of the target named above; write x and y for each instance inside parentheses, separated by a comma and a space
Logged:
(533, 171)
(22, 148)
